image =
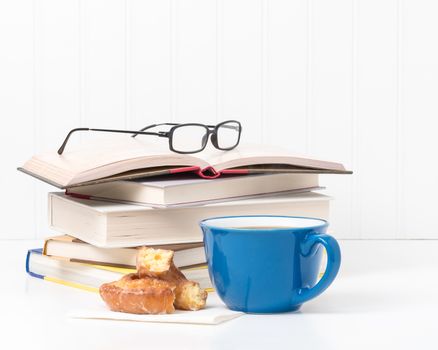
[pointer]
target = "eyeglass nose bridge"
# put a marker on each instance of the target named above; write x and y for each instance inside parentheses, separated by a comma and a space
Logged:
(213, 137)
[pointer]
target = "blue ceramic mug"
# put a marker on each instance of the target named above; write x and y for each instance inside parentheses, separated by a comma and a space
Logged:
(268, 264)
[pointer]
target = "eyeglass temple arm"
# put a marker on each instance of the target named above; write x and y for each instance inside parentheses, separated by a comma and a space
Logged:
(153, 126)
(61, 149)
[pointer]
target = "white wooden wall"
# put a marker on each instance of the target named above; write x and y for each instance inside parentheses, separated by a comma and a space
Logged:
(349, 80)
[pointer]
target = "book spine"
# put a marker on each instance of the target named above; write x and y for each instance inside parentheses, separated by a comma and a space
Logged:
(211, 173)
(184, 170)
(208, 173)
(44, 252)
(29, 252)
(77, 195)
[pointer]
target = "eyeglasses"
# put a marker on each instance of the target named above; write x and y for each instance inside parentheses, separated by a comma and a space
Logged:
(184, 138)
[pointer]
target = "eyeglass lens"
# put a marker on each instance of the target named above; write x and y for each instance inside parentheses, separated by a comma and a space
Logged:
(228, 135)
(189, 138)
(193, 138)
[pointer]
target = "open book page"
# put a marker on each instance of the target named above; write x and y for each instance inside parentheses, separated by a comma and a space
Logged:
(106, 157)
(247, 155)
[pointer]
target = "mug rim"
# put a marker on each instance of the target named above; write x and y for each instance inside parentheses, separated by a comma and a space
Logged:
(203, 223)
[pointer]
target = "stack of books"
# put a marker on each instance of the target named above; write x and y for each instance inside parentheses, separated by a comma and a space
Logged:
(117, 197)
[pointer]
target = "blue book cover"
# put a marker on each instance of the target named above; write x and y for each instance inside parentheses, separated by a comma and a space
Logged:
(29, 252)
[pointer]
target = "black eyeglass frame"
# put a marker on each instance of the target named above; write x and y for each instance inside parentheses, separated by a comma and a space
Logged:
(209, 130)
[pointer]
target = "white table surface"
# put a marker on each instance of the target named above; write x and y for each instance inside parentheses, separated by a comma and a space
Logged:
(384, 297)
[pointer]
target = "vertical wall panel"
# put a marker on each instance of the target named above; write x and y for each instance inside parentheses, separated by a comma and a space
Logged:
(331, 101)
(376, 165)
(353, 81)
(17, 114)
(148, 62)
(240, 62)
(195, 60)
(56, 65)
(286, 46)
(103, 60)
(419, 118)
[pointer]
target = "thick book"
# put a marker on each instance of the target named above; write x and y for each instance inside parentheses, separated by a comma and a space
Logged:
(129, 158)
(111, 224)
(167, 191)
(72, 249)
(88, 276)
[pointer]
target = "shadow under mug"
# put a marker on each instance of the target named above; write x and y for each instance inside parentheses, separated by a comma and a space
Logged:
(268, 264)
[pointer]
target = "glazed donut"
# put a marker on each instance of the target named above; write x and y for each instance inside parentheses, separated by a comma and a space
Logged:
(158, 287)
(137, 295)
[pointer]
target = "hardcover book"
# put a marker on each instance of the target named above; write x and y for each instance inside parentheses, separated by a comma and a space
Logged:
(130, 158)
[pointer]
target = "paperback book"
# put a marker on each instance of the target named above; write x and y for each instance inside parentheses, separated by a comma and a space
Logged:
(111, 224)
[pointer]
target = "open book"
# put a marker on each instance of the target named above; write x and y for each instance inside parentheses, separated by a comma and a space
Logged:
(130, 158)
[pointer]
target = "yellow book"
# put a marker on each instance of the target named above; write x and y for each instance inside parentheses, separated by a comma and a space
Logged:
(73, 249)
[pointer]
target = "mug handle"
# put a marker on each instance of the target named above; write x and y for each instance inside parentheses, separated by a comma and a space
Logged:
(308, 247)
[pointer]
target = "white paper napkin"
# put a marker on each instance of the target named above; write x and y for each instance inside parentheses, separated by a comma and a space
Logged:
(214, 313)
